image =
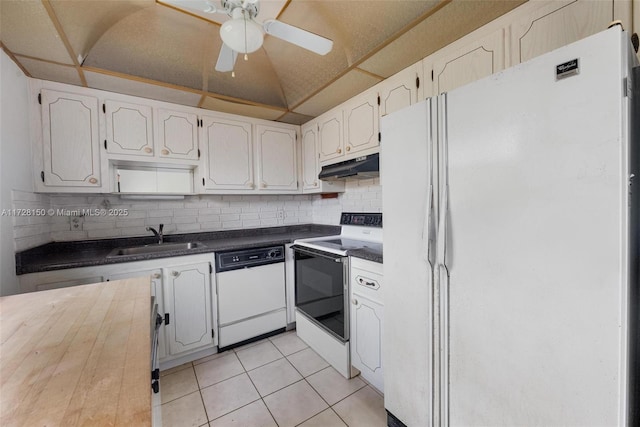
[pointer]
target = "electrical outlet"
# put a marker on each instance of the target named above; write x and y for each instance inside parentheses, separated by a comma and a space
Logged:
(75, 223)
(280, 214)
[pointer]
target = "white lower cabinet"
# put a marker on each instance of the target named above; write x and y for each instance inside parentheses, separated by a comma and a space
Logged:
(188, 305)
(367, 314)
(156, 291)
(182, 287)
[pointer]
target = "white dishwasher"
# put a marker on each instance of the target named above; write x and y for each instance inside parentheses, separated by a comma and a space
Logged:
(251, 294)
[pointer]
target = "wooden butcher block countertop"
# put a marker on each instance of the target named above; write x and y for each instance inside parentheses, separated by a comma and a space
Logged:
(77, 356)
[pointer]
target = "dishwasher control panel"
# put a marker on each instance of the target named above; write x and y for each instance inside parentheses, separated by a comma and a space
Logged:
(246, 258)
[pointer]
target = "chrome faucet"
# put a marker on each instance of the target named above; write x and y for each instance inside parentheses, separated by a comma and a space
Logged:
(158, 234)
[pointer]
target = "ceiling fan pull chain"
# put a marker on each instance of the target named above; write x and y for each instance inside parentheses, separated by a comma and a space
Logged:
(246, 57)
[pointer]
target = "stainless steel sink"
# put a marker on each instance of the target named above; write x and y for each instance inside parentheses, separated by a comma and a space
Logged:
(155, 248)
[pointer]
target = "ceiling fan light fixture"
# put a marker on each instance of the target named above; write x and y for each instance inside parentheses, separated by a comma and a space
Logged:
(242, 35)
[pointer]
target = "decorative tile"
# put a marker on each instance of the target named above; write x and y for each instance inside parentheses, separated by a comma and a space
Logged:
(364, 408)
(258, 355)
(332, 386)
(326, 418)
(307, 362)
(178, 384)
(294, 404)
(254, 414)
(274, 376)
(217, 370)
(229, 395)
(186, 411)
(288, 343)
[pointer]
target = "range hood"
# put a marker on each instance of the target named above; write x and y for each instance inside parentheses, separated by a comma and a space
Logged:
(360, 167)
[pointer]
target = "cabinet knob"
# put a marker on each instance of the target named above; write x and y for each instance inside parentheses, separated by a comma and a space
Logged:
(315, 183)
(175, 273)
(250, 185)
(93, 180)
(165, 152)
(148, 150)
(157, 276)
(339, 150)
(263, 185)
(348, 148)
(354, 301)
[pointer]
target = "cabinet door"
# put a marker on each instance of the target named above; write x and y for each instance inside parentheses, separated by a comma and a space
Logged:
(188, 303)
(228, 157)
(129, 129)
(366, 339)
(557, 24)
(71, 149)
(309, 157)
(177, 135)
(330, 144)
(276, 163)
(400, 90)
(481, 58)
(361, 123)
(156, 291)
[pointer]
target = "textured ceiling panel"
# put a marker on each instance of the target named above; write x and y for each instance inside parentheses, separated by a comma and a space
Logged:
(255, 79)
(84, 22)
(157, 43)
(215, 104)
(48, 71)
(346, 87)
(25, 28)
(295, 119)
(356, 27)
(435, 32)
(142, 89)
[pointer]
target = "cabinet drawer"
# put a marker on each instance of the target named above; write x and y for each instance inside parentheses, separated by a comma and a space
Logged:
(366, 282)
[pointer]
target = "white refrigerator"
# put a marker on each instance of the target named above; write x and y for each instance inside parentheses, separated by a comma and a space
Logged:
(510, 249)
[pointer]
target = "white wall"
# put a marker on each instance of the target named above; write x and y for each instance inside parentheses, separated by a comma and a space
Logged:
(15, 166)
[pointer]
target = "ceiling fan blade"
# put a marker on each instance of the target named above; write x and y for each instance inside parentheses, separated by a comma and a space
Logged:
(298, 36)
(226, 59)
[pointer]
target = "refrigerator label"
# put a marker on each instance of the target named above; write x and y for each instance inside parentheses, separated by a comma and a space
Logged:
(567, 69)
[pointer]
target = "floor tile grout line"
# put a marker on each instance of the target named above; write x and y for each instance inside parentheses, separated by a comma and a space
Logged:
(188, 393)
(230, 412)
(259, 394)
(221, 381)
(204, 406)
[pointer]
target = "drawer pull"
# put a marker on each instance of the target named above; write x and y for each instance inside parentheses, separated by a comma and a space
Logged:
(165, 152)
(148, 150)
(93, 180)
(368, 283)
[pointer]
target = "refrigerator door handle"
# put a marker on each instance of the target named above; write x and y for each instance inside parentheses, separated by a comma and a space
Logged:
(426, 228)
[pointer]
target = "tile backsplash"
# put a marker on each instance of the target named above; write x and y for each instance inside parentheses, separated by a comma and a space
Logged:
(82, 217)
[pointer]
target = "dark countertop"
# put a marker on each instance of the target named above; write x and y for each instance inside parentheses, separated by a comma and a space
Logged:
(369, 254)
(62, 255)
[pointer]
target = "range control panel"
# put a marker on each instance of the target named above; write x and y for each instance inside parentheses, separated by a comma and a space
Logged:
(245, 258)
(362, 219)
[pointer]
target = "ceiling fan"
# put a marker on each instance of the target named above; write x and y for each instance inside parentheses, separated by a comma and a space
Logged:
(243, 34)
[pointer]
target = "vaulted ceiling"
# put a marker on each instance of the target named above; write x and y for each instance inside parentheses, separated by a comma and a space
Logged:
(162, 51)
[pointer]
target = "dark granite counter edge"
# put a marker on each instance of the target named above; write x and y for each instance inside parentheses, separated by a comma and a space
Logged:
(367, 254)
(88, 253)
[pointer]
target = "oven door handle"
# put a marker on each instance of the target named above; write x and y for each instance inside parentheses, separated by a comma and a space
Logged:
(315, 253)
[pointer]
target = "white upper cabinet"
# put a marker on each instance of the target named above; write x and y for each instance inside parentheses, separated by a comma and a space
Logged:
(129, 128)
(276, 158)
(330, 143)
(227, 154)
(402, 89)
(177, 134)
(558, 23)
(70, 151)
(479, 58)
(311, 164)
(361, 120)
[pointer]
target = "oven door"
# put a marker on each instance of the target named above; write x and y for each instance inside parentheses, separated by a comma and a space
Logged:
(322, 289)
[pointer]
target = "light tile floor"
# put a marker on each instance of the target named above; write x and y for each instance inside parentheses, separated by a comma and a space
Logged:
(274, 382)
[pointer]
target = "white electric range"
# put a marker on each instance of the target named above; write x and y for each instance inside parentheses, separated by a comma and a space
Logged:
(322, 286)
